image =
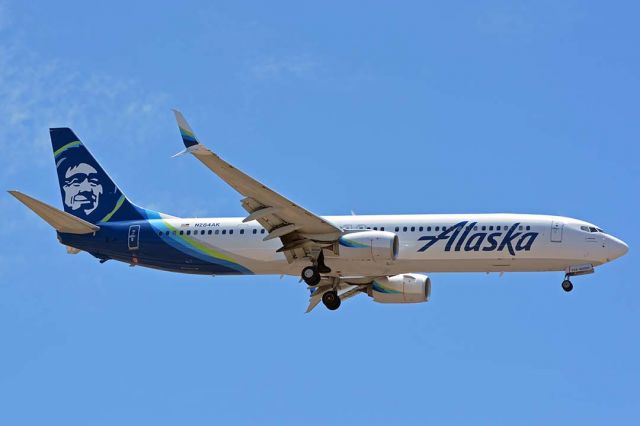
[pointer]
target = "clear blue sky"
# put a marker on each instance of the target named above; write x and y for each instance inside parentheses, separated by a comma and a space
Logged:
(498, 106)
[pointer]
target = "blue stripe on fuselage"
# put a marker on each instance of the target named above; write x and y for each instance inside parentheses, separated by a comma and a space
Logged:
(154, 251)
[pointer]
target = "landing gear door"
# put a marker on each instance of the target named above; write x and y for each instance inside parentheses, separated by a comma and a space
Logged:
(134, 237)
(556, 231)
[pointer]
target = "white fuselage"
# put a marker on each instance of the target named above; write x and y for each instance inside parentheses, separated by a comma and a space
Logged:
(428, 243)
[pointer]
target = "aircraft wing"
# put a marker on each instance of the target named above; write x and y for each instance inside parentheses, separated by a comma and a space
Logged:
(297, 227)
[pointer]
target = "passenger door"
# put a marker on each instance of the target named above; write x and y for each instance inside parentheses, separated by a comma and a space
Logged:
(556, 231)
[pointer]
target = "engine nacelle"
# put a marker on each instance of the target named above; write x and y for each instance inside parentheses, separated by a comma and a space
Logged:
(403, 288)
(379, 246)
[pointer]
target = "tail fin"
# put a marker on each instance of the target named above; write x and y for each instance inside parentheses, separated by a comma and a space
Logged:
(87, 191)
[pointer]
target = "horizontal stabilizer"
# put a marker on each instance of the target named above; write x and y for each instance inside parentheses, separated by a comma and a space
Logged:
(61, 221)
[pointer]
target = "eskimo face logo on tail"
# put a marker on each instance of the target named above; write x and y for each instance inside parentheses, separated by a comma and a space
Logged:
(459, 237)
(82, 188)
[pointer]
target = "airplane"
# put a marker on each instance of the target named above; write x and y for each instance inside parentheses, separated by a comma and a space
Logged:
(337, 257)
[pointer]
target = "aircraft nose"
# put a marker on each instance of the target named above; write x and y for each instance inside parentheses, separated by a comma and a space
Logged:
(616, 247)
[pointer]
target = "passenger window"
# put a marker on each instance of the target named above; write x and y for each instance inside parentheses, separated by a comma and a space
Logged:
(181, 232)
(498, 228)
(174, 232)
(189, 232)
(202, 232)
(230, 231)
(262, 231)
(437, 228)
(404, 229)
(382, 228)
(242, 231)
(420, 229)
(444, 228)
(413, 229)
(428, 229)
(255, 231)
(520, 227)
(209, 232)
(475, 228)
(484, 228)
(217, 231)
(375, 228)
(397, 228)
(224, 232)
(491, 228)
(528, 228)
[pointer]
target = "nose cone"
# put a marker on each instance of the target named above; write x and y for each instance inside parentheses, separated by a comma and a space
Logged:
(616, 248)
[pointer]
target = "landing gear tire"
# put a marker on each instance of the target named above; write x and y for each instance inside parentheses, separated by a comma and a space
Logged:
(331, 300)
(567, 285)
(310, 276)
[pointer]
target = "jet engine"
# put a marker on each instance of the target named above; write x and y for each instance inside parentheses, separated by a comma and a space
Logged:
(379, 246)
(403, 288)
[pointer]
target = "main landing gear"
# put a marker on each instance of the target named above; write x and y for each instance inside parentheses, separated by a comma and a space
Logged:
(311, 274)
(331, 300)
(567, 285)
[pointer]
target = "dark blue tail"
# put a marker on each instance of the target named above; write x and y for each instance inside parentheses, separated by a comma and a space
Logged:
(87, 191)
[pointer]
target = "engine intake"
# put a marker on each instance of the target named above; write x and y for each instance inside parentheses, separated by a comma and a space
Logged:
(403, 288)
(379, 246)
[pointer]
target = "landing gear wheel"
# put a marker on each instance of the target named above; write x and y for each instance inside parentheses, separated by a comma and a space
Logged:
(331, 300)
(567, 285)
(310, 276)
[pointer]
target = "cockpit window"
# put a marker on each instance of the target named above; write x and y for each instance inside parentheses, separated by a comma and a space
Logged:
(590, 229)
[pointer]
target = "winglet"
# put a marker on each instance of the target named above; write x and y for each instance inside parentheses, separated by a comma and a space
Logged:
(188, 137)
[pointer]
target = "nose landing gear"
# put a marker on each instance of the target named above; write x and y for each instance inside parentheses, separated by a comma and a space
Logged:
(572, 271)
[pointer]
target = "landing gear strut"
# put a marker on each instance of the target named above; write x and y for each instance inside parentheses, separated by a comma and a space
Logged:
(567, 285)
(331, 300)
(322, 268)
